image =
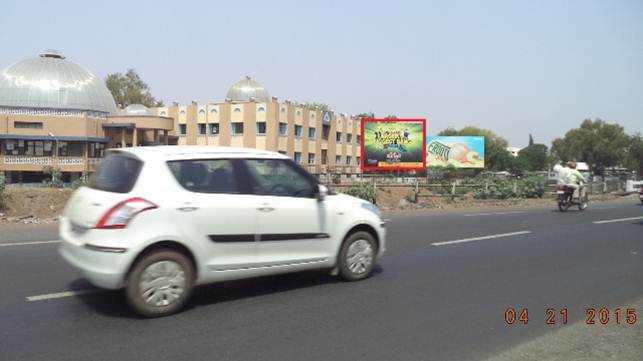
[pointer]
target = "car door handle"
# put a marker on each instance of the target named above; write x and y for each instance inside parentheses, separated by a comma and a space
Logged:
(188, 209)
(266, 209)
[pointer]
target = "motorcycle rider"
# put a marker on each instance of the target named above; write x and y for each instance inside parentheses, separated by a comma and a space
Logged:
(575, 180)
(563, 174)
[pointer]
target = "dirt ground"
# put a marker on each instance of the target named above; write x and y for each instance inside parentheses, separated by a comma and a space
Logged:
(44, 205)
(34, 205)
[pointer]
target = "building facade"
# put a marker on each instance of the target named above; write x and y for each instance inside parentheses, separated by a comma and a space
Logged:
(56, 113)
(320, 141)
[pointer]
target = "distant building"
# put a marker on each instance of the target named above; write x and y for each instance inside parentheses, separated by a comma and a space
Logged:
(54, 112)
(320, 141)
(514, 151)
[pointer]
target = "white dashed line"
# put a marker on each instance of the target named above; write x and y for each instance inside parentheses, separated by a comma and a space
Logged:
(617, 220)
(492, 213)
(51, 296)
(27, 243)
(480, 238)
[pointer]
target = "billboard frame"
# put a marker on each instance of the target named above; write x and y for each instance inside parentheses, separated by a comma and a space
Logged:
(363, 121)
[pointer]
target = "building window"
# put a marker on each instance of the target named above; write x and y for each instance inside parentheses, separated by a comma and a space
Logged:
(298, 157)
(359, 139)
(357, 159)
(311, 158)
(163, 114)
(214, 128)
(213, 111)
(338, 137)
(96, 150)
(201, 128)
(182, 129)
(312, 115)
(299, 112)
(338, 159)
(283, 129)
(325, 132)
(201, 111)
(349, 160)
(237, 110)
(261, 127)
(311, 133)
(298, 131)
(261, 109)
(324, 156)
(283, 110)
(236, 128)
(27, 125)
(349, 138)
(182, 112)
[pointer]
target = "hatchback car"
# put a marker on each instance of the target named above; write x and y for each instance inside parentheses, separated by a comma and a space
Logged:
(159, 220)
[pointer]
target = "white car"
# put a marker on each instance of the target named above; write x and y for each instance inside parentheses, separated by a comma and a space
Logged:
(160, 220)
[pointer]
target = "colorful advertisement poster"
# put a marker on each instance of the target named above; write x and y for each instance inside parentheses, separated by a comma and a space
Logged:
(460, 152)
(393, 144)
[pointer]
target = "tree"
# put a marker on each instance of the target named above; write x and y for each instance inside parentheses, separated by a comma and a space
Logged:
(365, 115)
(635, 153)
(497, 157)
(531, 139)
(534, 157)
(391, 116)
(129, 88)
(598, 143)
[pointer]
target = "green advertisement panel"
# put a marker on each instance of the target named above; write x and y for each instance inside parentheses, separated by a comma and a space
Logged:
(393, 144)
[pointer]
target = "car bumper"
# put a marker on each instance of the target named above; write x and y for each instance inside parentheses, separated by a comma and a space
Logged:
(102, 269)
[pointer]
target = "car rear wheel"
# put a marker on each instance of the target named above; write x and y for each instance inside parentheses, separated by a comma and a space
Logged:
(357, 256)
(160, 283)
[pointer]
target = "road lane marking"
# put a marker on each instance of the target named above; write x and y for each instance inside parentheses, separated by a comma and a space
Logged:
(27, 243)
(617, 220)
(51, 296)
(492, 213)
(492, 236)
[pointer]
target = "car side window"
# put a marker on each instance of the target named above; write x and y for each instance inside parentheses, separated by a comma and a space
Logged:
(206, 175)
(278, 177)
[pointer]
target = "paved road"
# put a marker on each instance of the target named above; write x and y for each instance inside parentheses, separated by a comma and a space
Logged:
(439, 294)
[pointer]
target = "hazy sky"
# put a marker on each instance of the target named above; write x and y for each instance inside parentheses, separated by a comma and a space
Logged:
(516, 67)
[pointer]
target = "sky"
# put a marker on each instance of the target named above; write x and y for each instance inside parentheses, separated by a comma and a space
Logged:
(515, 67)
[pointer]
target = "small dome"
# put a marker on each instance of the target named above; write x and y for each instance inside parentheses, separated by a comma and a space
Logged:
(51, 82)
(248, 90)
(136, 109)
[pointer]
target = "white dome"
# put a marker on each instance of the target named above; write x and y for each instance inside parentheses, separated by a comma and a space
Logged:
(51, 82)
(248, 90)
(136, 109)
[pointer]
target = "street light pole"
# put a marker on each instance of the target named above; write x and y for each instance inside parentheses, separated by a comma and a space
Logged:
(53, 174)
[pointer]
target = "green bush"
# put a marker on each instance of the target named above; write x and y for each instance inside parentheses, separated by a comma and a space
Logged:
(337, 179)
(362, 190)
(2, 196)
(80, 181)
(56, 180)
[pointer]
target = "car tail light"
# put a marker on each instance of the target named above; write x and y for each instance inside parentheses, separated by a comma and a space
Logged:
(119, 215)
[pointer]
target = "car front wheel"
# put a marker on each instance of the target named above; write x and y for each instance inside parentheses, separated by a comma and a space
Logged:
(160, 283)
(357, 256)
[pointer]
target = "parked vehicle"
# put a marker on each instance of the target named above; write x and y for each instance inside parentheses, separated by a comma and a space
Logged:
(566, 199)
(160, 220)
(641, 194)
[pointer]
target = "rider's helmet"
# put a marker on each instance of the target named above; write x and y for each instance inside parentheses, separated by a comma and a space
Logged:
(571, 165)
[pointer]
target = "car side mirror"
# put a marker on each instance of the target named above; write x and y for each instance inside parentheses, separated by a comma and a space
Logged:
(322, 192)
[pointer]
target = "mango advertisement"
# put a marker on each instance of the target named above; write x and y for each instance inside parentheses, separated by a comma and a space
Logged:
(460, 152)
(393, 144)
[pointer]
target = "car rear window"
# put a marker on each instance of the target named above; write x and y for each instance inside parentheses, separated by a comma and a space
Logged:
(117, 173)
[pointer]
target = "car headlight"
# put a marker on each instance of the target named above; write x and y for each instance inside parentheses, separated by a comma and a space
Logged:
(373, 208)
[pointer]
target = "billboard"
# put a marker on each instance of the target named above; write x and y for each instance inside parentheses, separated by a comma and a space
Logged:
(460, 152)
(393, 144)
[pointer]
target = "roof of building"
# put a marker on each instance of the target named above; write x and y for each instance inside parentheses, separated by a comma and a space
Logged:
(52, 82)
(247, 90)
(136, 109)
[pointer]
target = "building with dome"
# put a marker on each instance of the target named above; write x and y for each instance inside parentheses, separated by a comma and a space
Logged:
(321, 141)
(56, 113)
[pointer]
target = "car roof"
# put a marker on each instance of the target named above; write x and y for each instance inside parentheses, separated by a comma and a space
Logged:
(173, 152)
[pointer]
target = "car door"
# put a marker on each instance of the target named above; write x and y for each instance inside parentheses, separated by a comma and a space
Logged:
(293, 224)
(217, 213)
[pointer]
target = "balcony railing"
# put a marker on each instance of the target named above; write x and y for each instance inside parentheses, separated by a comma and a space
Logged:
(61, 161)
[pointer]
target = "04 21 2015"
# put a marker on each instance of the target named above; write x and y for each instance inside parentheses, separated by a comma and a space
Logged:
(554, 316)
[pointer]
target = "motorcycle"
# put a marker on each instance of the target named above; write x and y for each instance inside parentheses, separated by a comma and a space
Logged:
(566, 199)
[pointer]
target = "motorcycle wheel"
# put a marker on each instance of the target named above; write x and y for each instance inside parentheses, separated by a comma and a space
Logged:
(563, 206)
